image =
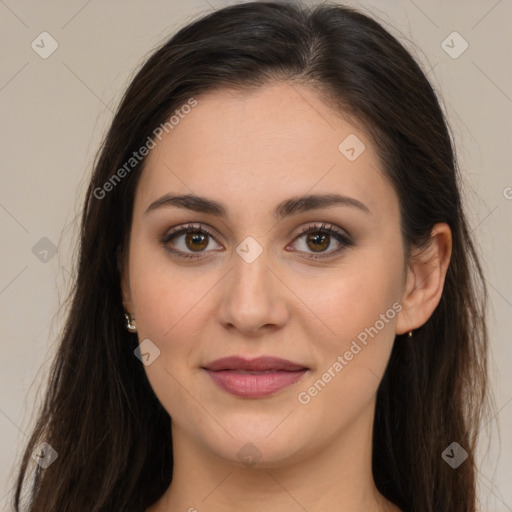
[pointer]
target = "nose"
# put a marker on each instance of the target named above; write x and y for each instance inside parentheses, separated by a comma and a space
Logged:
(253, 297)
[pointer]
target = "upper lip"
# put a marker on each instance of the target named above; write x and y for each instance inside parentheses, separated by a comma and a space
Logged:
(262, 363)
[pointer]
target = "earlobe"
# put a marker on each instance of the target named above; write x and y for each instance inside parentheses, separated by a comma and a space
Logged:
(425, 280)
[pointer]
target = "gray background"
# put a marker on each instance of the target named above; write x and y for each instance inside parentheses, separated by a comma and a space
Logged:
(55, 111)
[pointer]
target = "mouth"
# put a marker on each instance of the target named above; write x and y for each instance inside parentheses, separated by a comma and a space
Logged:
(259, 364)
(254, 378)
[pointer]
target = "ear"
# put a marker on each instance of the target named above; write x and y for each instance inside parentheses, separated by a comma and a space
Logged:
(122, 266)
(425, 280)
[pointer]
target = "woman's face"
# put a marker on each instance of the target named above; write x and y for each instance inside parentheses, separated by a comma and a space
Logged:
(255, 286)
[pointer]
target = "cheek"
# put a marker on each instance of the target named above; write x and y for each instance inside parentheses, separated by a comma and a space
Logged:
(166, 304)
(172, 305)
(358, 312)
(354, 296)
(353, 356)
(163, 293)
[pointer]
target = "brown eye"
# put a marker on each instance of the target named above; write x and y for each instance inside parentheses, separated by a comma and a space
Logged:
(318, 239)
(196, 241)
(193, 241)
(187, 240)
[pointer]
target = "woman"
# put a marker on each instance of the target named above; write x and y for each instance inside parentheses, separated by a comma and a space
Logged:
(276, 215)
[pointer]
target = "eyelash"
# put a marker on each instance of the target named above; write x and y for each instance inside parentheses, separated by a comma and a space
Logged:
(343, 239)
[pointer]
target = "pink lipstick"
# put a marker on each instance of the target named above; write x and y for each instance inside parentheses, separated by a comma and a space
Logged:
(254, 378)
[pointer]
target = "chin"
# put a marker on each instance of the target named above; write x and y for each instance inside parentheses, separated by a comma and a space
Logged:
(259, 450)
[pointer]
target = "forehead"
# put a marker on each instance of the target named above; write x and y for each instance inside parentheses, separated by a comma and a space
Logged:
(263, 146)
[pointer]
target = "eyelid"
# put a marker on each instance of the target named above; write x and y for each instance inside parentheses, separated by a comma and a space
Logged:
(324, 226)
(183, 228)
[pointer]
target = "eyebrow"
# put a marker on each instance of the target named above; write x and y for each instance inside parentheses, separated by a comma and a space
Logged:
(292, 206)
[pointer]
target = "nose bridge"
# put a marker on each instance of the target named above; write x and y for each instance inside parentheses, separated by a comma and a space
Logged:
(251, 267)
(251, 298)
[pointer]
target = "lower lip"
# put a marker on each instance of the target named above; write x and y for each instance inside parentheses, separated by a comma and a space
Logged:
(254, 385)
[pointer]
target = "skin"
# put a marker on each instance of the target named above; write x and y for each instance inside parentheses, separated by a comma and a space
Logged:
(250, 151)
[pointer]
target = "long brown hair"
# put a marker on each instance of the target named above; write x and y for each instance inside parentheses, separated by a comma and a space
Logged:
(100, 413)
